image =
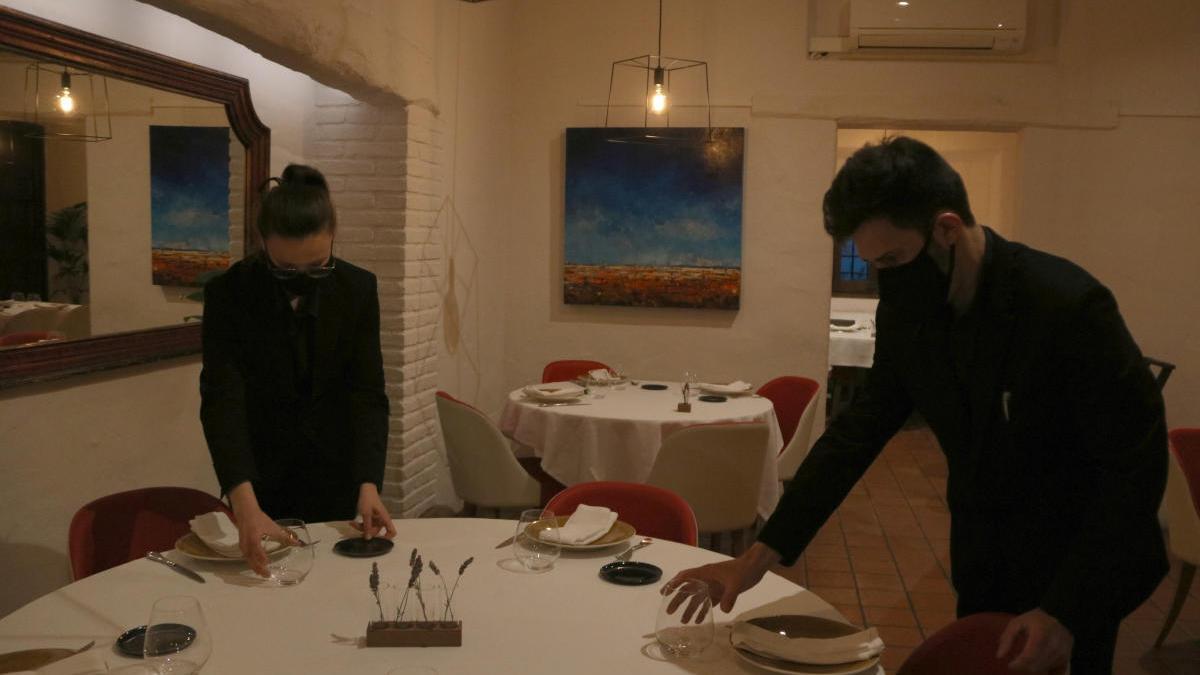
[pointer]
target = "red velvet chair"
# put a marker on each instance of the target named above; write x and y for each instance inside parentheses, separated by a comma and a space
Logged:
(121, 527)
(28, 338)
(1181, 503)
(652, 511)
(563, 371)
(967, 646)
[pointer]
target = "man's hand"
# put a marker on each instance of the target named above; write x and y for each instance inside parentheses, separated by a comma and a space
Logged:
(374, 514)
(727, 580)
(1047, 642)
(254, 526)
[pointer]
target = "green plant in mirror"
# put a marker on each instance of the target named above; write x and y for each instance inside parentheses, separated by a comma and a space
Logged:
(66, 244)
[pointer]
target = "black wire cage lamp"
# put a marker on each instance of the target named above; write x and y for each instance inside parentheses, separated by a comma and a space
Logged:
(658, 69)
(67, 103)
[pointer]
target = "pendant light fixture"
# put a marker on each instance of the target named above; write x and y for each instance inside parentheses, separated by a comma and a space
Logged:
(658, 69)
(67, 103)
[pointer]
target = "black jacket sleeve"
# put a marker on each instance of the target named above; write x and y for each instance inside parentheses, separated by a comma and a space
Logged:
(223, 390)
(1116, 559)
(839, 458)
(368, 399)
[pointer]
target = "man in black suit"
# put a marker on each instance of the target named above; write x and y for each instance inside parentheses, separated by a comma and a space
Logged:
(1051, 424)
(293, 402)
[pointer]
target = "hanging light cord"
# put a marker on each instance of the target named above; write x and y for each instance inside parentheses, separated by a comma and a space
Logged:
(660, 4)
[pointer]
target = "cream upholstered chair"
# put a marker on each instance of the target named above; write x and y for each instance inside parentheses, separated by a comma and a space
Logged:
(718, 469)
(483, 469)
(1182, 507)
(794, 399)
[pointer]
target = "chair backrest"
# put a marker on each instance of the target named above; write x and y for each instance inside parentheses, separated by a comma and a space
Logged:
(791, 395)
(1182, 499)
(718, 469)
(28, 337)
(562, 371)
(482, 467)
(121, 527)
(966, 646)
(652, 511)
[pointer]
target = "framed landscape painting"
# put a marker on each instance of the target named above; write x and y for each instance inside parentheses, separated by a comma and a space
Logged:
(189, 203)
(653, 217)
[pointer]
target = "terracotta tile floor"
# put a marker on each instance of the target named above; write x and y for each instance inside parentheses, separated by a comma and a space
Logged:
(884, 559)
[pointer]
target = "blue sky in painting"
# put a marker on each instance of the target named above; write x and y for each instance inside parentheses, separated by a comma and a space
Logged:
(654, 203)
(189, 188)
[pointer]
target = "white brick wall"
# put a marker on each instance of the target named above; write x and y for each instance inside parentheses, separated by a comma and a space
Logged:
(383, 167)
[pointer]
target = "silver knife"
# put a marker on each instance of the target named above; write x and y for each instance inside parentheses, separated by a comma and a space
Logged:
(159, 558)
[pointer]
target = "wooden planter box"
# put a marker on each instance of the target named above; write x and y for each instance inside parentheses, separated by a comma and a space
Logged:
(414, 634)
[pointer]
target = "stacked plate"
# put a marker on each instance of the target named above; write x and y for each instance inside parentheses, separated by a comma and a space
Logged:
(554, 392)
(806, 645)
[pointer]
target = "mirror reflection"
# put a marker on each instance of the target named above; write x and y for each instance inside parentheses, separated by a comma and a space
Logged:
(109, 232)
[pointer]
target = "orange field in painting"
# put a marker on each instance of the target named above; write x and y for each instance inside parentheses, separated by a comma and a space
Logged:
(173, 267)
(634, 286)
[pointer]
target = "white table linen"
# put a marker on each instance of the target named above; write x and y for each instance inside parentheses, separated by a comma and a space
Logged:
(618, 437)
(853, 348)
(22, 316)
(565, 620)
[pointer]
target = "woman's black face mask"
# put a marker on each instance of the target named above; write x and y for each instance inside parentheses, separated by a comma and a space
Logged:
(917, 287)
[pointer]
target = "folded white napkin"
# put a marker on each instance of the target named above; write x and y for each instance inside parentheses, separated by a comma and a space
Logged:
(601, 375)
(586, 525)
(84, 663)
(219, 533)
(737, 387)
(554, 391)
(859, 646)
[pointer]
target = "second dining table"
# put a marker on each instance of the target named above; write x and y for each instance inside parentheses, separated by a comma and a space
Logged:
(615, 432)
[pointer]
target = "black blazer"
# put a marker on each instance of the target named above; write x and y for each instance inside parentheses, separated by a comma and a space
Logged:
(305, 452)
(1055, 443)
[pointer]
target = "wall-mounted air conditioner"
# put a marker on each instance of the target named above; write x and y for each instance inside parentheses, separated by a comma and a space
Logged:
(947, 26)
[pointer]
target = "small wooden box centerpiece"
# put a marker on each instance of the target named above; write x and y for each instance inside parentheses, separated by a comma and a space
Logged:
(413, 623)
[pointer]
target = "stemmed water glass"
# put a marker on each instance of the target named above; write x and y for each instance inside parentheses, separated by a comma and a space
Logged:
(536, 544)
(177, 640)
(685, 623)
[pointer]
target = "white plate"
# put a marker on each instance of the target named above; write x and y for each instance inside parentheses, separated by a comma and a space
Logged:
(789, 668)
(724, 389)
(192, 546)
(618, 534)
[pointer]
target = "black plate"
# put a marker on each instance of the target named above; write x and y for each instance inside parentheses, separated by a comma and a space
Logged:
(654, 387)
(357, 547)
(133, 641)
(630, 573)
(713, 398)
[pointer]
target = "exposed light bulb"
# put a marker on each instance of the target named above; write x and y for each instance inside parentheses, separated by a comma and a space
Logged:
(64, 100)
(903, 3)
(658, 102)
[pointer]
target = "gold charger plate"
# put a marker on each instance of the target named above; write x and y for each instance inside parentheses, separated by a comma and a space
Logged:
(619, 533)
(31, 659)
(799, 625)
(195, 548)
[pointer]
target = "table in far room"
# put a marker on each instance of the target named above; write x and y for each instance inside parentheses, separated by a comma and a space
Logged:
(851, 353)
(617, 437)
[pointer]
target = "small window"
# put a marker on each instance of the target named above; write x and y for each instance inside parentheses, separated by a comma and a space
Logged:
(852, 275)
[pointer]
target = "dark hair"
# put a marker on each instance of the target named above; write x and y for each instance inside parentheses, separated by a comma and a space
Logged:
(298, 206)
(900, 179)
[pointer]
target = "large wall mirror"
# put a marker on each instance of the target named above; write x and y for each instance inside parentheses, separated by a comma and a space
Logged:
(117, 203)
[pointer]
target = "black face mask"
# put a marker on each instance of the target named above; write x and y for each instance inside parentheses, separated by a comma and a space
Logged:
(301, 284)
(918, 287)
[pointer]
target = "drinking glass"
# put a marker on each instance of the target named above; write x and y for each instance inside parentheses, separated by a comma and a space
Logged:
(685, 622)
(177, 639)
(619, 371)
(290, 567)
(535, 553)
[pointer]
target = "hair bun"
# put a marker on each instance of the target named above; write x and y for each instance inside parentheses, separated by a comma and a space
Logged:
(299, 174)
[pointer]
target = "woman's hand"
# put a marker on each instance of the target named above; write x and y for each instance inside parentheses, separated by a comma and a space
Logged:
(253, 527)
(374, 514)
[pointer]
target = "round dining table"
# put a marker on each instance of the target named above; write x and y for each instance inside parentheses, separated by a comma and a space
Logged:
(565, 620)
(615, 432)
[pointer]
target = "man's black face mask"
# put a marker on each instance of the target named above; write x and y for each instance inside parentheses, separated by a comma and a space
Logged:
(917, 287)
(300, 285)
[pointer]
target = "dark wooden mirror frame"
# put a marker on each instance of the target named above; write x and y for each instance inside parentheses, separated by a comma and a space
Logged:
(41, 39)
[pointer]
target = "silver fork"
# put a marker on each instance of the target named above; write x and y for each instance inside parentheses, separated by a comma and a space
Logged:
(625, 555)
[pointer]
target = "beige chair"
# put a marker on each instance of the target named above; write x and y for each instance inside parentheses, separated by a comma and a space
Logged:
(718, 469)
(1182, 509)
(795, 452)
(484, 471)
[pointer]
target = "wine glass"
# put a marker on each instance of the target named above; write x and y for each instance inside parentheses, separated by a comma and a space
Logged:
(177, 640)
(536, 543)
(290, 567)
(685, 622)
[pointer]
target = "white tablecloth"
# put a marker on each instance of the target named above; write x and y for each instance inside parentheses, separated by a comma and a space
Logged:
(618, 437)
(21, 316)
(563, 621)
(853, 348)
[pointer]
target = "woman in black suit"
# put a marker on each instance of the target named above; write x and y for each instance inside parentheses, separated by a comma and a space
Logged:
(292, 389)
